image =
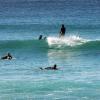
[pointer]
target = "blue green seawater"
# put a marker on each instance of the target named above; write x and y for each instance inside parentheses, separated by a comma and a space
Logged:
(77, 55)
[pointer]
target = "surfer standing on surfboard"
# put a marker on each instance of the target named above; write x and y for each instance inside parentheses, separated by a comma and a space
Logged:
(62, 31)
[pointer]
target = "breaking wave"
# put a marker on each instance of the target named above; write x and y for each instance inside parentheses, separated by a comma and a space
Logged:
(52, 42)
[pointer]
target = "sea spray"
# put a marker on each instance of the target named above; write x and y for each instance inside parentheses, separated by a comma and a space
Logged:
(71, 40)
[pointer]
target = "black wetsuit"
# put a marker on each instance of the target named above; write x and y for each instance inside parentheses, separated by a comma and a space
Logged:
(62, 31)
(9, 57)
(40, 37)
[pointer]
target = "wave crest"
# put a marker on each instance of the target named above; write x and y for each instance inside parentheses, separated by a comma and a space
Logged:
(66, 41)
(69, 42)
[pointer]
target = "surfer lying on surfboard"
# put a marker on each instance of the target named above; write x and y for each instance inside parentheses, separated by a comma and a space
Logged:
(8, 57)
(50, 68)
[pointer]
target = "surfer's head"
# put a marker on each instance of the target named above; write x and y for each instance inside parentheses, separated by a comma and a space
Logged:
(55, 66)
(62, 25)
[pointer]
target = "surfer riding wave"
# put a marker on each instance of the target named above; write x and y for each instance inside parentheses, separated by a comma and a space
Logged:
(62, 31)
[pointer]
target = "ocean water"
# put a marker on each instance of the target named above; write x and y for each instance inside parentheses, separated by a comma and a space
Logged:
(77, 55)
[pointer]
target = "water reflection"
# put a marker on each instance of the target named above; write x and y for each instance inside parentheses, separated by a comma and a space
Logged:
(60, 56)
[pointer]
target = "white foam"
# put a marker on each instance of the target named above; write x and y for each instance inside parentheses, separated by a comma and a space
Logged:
(71, 40)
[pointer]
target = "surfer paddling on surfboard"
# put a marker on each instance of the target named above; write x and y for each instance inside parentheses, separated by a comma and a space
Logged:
(62, 31)
(8, 57)
(54, 67)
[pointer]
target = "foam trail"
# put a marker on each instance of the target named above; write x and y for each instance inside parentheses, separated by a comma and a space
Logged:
(66, 41)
